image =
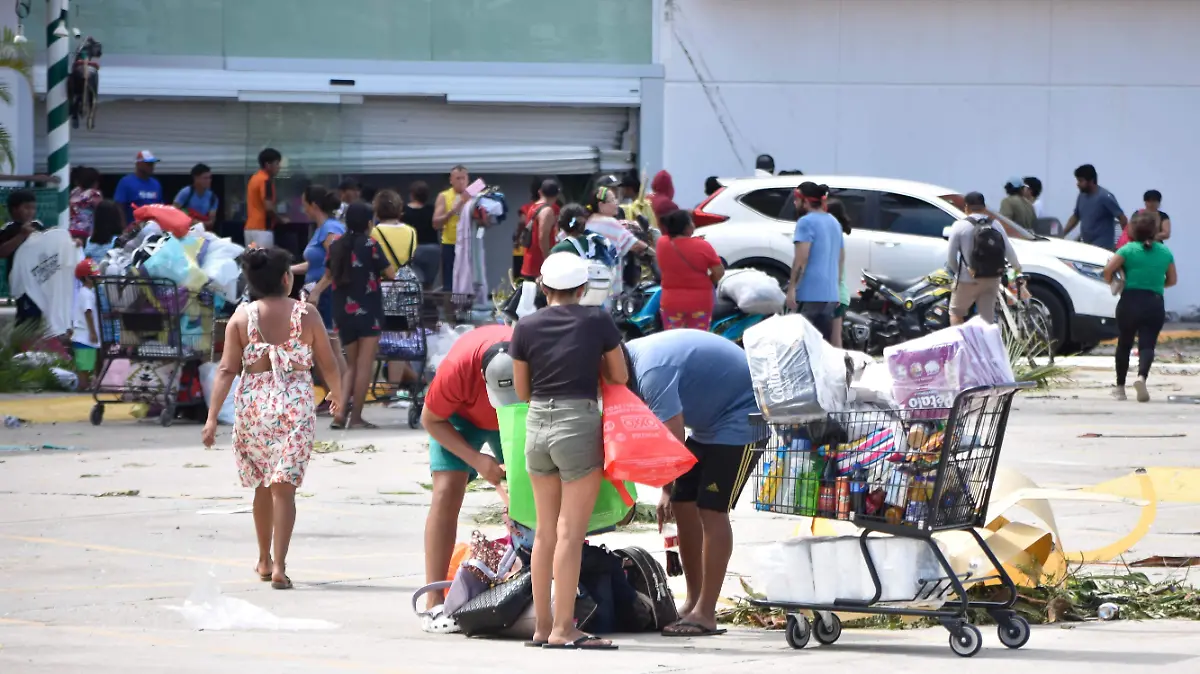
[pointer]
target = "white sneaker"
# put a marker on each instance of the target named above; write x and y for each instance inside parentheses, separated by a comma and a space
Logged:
(434, 622)
(1143, 396)
(1118, 393)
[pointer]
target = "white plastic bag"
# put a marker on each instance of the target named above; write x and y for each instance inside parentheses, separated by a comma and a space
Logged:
(797, 375)
(784, 572)
(440, 342)
(208, 373)
(754, 292)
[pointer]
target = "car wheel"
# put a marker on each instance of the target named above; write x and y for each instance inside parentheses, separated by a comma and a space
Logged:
(1057, 310)
(769, 267)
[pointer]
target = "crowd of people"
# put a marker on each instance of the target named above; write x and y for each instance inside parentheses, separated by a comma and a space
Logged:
(555, 358)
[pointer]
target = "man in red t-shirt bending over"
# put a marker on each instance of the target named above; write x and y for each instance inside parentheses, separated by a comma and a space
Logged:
(460, 420)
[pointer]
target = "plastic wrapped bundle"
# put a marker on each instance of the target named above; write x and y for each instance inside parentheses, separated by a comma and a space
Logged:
(754, 292)
(928, 372)
(797, 375)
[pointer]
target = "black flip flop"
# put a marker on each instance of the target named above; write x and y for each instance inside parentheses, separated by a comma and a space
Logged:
(264, 577)
(366, 425)
(535, 644)
(337, 425)
(582, 644)
(700, 630)
(285, 585)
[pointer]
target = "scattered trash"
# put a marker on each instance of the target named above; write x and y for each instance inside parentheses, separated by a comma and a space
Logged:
(1108, 611)
(207, 609)
(1167, 562)
(343, 461)
(137, 465)
(303, 494)
(37, 448)
(88, 475)
(236, 511)
(331, 446)
(195, 465)
(1186, 400)
(14, 422)
(1105, 435)
(127, 492)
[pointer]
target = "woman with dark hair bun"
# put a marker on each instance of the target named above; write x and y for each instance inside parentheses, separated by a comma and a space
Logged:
(690, 269)
(1148, 269)
(357, 264)
(272, 343)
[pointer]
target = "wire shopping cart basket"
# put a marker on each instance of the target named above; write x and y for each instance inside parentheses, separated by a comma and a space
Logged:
(403, 342)
(904, 473)
(152, 327)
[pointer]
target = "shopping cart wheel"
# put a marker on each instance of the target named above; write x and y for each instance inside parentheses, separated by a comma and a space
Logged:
(414, 416)
(827, 632)
(97, 415)
(167, 417)
(799, 631)
(1015, 633)
(966, 640)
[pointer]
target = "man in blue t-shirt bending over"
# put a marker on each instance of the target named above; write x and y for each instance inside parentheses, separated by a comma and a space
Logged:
(698, 380)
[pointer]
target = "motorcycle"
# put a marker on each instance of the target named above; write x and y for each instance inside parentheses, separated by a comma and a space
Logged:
(887, 316)
(637, 314)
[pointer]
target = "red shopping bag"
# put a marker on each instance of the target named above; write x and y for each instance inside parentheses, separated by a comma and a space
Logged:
(637, 446)
(172, 220)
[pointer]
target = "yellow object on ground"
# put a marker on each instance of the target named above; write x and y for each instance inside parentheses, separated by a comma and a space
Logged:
(49, 409)
(1178, 485)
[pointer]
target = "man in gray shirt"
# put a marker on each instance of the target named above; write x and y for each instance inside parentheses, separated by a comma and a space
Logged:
(981, 292)
(1096, 211)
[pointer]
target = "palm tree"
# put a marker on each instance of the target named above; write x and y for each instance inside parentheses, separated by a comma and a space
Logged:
(14, 56)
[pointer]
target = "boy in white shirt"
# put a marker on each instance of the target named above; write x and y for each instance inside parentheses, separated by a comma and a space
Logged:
(85, 333)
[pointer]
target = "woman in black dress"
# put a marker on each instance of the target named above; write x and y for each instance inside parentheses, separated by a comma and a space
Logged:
(357, 264)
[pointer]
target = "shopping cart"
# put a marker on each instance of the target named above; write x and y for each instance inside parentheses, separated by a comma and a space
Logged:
(907, 473)
(155, 328)
(404, 341)
(457, 309)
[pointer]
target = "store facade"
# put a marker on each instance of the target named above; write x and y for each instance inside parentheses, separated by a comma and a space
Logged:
(385, 91)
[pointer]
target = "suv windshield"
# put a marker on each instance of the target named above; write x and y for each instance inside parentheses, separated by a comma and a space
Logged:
(1014, 230)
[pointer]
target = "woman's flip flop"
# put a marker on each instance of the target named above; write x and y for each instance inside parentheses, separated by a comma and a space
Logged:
(285, 584)
(686, 628)
(586, 642)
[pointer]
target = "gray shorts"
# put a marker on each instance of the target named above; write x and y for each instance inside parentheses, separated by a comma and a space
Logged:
(564, 437)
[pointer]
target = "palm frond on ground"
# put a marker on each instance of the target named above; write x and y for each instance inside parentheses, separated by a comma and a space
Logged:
(22, 376)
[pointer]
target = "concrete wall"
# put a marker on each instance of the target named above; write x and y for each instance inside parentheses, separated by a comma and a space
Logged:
(963, 93)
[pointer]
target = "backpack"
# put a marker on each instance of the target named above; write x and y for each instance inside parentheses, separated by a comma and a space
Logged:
(524, 236)
(602, 262)
(988, 252)
(649, 578)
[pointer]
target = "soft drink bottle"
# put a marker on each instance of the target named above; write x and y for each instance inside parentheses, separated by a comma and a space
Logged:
(827, 497)
(671, 543)
(858, 489)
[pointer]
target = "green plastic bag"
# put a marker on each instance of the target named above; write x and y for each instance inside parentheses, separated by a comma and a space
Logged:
(610, 507)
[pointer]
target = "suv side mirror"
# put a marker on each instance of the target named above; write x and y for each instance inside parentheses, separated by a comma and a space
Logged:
(946, 232)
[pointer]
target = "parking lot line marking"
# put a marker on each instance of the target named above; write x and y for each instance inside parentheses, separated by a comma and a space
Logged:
(237, 564)
(208, 647)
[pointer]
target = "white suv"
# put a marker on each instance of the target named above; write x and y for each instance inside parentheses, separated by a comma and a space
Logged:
(898, 234)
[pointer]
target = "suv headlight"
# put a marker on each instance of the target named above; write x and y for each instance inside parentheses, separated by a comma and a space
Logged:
(1092, 271)
(630, 306)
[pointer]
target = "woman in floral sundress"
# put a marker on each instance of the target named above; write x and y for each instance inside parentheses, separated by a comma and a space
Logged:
(272, 343)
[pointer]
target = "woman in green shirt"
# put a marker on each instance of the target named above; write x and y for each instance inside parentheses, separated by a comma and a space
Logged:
(1149, 268)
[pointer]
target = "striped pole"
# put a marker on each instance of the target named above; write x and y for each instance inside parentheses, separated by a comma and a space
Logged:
(57, 109)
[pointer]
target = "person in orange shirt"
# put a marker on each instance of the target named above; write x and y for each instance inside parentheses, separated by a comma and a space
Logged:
(261, 216)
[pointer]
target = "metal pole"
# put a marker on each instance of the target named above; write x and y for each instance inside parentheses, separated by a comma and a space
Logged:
(57, 108)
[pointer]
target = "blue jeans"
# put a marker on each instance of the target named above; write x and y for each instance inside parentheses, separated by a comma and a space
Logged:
(447, 267)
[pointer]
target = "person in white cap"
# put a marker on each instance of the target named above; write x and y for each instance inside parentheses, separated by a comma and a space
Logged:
(140, 187)
(558, 355)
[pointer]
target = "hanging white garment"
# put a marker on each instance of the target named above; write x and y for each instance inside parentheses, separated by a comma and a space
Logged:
(44, 270)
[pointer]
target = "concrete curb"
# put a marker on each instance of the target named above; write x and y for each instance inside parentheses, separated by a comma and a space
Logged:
(1105, 364)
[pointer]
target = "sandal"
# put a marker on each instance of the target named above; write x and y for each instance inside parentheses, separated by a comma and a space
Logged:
(338, 425)
(586, 642)
(364, 425)
(285, 584)
(264, 577)
(687, 628)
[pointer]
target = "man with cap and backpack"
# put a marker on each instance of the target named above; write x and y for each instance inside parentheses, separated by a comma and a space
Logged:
(979, 254)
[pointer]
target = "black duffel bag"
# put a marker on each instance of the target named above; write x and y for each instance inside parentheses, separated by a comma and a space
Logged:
(497, 608)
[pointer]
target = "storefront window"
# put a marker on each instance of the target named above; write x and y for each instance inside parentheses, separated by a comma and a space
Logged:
(507, 31)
